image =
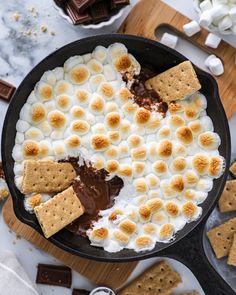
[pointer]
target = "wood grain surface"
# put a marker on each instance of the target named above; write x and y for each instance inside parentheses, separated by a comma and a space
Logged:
(148, 15)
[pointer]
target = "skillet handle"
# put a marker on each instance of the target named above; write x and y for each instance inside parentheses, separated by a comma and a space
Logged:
(190, 252)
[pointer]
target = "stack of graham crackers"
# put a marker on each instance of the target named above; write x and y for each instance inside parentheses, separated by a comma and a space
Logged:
(223, 237)
(159, 279)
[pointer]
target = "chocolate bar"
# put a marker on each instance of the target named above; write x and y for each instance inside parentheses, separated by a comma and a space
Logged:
(54, 275)
(81, 5)
(99, 11)
(60, 3)
(6, 90)
(117, 4)
(80, 292)
(77, 18)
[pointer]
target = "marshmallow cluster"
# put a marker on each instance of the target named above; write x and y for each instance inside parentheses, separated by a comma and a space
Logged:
(218, 15)
(84, 109)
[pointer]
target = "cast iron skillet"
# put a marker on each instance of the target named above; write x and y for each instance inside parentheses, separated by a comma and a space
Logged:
(187, 247)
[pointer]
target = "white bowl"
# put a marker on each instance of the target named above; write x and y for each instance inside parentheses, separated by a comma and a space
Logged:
(100, 25)
(211, 27)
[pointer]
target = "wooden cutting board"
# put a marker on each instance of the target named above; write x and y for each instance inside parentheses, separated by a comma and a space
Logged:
(112, 275)
(148, 15)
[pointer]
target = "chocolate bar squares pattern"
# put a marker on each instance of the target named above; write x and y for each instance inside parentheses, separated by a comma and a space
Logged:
(91, 11)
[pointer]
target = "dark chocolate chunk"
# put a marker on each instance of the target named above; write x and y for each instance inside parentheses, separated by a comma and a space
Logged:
(6, 90)
(77, 18)
(81, 5)
(2, 175)
(117, 4)
(54, 275)
(99, 11)
(60, 3)
(80, 292)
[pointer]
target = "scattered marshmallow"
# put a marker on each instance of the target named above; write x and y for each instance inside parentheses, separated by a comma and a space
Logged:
(191, 28)
(216, 66)
(169, 40)
(212, 40)
(206, 62)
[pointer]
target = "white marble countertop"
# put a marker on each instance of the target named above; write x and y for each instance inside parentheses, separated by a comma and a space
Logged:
(22, 46)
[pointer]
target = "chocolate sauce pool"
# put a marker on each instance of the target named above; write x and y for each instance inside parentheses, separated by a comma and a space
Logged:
(149, 99)
(95, 193)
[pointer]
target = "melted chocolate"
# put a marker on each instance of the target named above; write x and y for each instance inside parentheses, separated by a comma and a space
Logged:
(95, 193)
(149, 99)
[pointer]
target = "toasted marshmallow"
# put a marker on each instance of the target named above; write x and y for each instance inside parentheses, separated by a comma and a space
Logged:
(97, 104)
(95, 67)
(191, 112)
(164, 149)
(159, 167)
(179, 150)
(38, 113)
(139, 153)
(114, 136)
(144, 243)
(99, 235)
(98, 161)
(199, 100)
(152, 151)
(176, 121)
(216, 166)
(184, 135)
(100, 53)
(160, 217)
(177, 183)
(134, 141)
(112, 152)
(127, 64)
(140, 185)
(121, 237)
(205, 184)
(99, 128)
(142, 116)
(128, 227)
(56, 119)
(167, 189)
(77, 112)
(79, 127)
(176, 107)
(166, 231)
(209, 140)
(172, 209)
(57, 134)
(111, 107)
(109, 72)
(156, 193)
(196, 127)
(95, 81)
(73, 61)
(115, 50)
(149, 229)
(178, 165)
(125, 128)
(124, 149)
(112, 120)
(100, 142)
(125, 171)
(152, 181)
(59, 149)
(112, 166)
(31, 149)
(153, 124)
(106, 90)
(123, 96)
(154, 205)
(190, 210)
(140, 200)
(115, 214)
(73, 142)
(190, 195)
(138, 169)
(79, 74)
(144, 213)
(34, 134)
(45, 128)
(63, 87)
(45, 148)
(200, 163)
(82, 96)
(129, 108)
(43, 91)
(190, 178)
(63, 102)
(164, 132)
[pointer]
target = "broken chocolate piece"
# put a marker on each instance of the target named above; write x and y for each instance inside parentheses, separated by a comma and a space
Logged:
(6, 90)
(60, 3)
(99, 11)
(54, 275)
(77, 18)
(117, 4)
(80, 292)
(81, 5)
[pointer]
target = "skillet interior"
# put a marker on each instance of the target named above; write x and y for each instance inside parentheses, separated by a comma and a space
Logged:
(147, 53)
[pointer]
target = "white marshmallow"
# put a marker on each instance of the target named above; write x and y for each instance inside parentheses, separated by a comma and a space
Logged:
(205, 19)
(86, 57)
(218, 11)
(191, 28)
(109, 72)
(216, 66)
(206, 62)
(32, 98)
(169, 40)
(205, 5)
(72, 62)
(49, 77)
(59, 73)
(20, 137)
(100, 53)
(225, 23)
(212, 40)
(232, 13)
(22, 126)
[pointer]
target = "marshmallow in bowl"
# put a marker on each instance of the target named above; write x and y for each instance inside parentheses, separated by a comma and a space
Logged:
(167, 163)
